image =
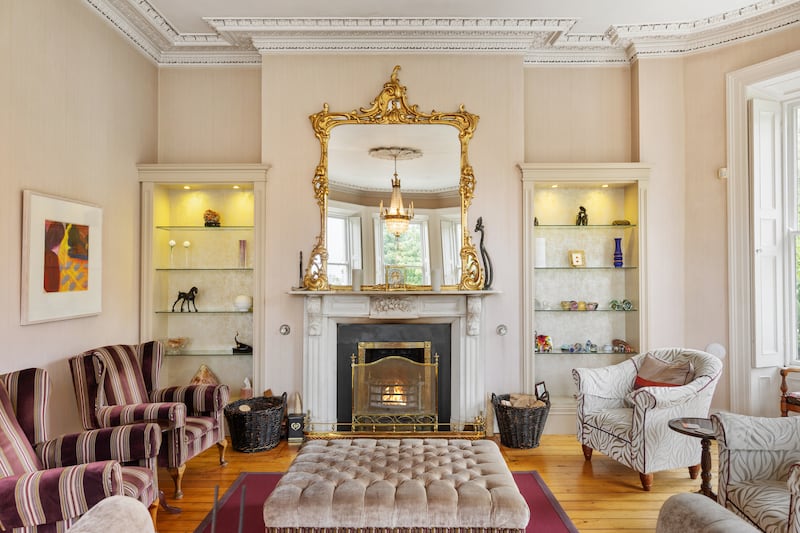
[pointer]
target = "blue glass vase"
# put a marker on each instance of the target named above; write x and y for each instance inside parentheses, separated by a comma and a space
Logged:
(618, 252)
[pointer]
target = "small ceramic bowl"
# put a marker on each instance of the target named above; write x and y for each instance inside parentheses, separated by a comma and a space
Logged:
(591, 306)
(565, 305)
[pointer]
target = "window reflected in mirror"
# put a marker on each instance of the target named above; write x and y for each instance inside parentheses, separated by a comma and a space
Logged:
(359, 239)
(410, 250)
(344, 246)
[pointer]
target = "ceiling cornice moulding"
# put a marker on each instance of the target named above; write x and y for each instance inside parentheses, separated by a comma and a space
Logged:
(659, 40)
(541, 41)
(394, 35)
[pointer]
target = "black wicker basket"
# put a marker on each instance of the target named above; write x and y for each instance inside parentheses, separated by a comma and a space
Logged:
(259, 427)
(520, 427)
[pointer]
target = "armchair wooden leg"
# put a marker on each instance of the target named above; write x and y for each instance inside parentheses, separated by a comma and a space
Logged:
(587, 452)
(647, 481)
(694, 471)
(177, 477)
(221, 445)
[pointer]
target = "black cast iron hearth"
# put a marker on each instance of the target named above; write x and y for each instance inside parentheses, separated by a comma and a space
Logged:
(347, 339)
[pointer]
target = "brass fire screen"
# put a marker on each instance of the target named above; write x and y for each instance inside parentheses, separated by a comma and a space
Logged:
(395, 393)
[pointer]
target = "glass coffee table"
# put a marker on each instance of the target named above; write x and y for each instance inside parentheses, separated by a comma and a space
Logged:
(702, 429)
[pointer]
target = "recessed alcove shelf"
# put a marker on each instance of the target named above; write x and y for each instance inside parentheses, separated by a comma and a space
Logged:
(552, 196)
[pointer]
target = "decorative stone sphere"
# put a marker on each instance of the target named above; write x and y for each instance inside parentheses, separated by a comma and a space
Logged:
(242, 302)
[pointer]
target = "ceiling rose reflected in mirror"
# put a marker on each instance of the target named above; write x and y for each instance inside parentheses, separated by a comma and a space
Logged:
(396, 215)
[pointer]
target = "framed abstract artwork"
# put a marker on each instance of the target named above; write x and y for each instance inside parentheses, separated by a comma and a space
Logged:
(62, 250)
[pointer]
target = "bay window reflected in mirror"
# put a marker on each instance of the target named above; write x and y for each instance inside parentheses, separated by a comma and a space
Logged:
(358, 238)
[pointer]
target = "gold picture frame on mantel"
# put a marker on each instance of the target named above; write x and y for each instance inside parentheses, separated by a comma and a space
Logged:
(395, 278)
(390, 107)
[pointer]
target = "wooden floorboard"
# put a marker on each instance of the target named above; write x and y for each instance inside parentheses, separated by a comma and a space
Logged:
(600, 496)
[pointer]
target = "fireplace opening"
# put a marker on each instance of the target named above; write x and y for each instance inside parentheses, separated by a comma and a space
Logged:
(398, 396)
(391, 392)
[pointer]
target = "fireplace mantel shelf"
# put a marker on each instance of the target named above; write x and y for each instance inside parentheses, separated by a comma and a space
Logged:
(303, 292)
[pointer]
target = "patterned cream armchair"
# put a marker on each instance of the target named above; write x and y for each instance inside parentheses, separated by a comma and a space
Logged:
(630, 425)
(759, 469)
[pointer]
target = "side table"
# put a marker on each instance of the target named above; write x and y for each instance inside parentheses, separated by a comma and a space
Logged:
(702, 429)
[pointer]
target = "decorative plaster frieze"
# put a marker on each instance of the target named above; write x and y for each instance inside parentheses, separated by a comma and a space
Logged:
(403, 307)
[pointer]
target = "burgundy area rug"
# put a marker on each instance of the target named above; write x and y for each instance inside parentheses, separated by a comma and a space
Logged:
(547, 516)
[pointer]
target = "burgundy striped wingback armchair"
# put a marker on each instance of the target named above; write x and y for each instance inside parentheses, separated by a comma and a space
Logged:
(119, 384)
(46, 485)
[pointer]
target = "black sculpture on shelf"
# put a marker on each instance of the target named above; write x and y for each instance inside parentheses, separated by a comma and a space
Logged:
(186, 298)
(487, 261)
(582, 219)
(240, 346)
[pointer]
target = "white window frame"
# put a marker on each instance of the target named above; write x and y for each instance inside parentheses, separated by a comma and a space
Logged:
(353, 252)
(450, 227)
(746, 381)
(791, 113)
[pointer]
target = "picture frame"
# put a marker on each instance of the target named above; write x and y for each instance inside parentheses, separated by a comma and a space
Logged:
(62, 254)
(577, 258)
(395, 278)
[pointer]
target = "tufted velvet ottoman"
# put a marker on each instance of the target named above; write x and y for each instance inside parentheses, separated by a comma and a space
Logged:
(397, 484)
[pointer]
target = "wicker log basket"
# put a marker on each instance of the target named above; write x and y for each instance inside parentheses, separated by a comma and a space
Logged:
(255, 423)
(520, 427)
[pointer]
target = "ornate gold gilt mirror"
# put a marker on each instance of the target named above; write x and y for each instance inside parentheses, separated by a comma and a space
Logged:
(393, 186)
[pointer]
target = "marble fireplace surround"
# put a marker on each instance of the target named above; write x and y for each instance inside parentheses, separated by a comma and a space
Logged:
(324, 311)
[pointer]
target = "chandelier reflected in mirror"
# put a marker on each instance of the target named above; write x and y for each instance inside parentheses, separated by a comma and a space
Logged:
(396, 215)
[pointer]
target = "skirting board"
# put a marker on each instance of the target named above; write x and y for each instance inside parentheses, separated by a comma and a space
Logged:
(561, 418)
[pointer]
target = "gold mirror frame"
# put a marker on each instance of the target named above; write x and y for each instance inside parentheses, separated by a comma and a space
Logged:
(391, 107)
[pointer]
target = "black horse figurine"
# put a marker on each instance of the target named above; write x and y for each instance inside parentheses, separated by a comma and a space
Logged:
(487, 261)
(186, 298)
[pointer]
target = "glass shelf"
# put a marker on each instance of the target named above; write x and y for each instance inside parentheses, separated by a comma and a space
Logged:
(214, 312)
(559, 352)
(584, 312)
(205, 228)
(591, 226)
(196, 269)
(208, 353)
(586, 268)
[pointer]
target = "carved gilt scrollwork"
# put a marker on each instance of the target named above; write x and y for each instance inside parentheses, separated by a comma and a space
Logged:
(392, 107)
